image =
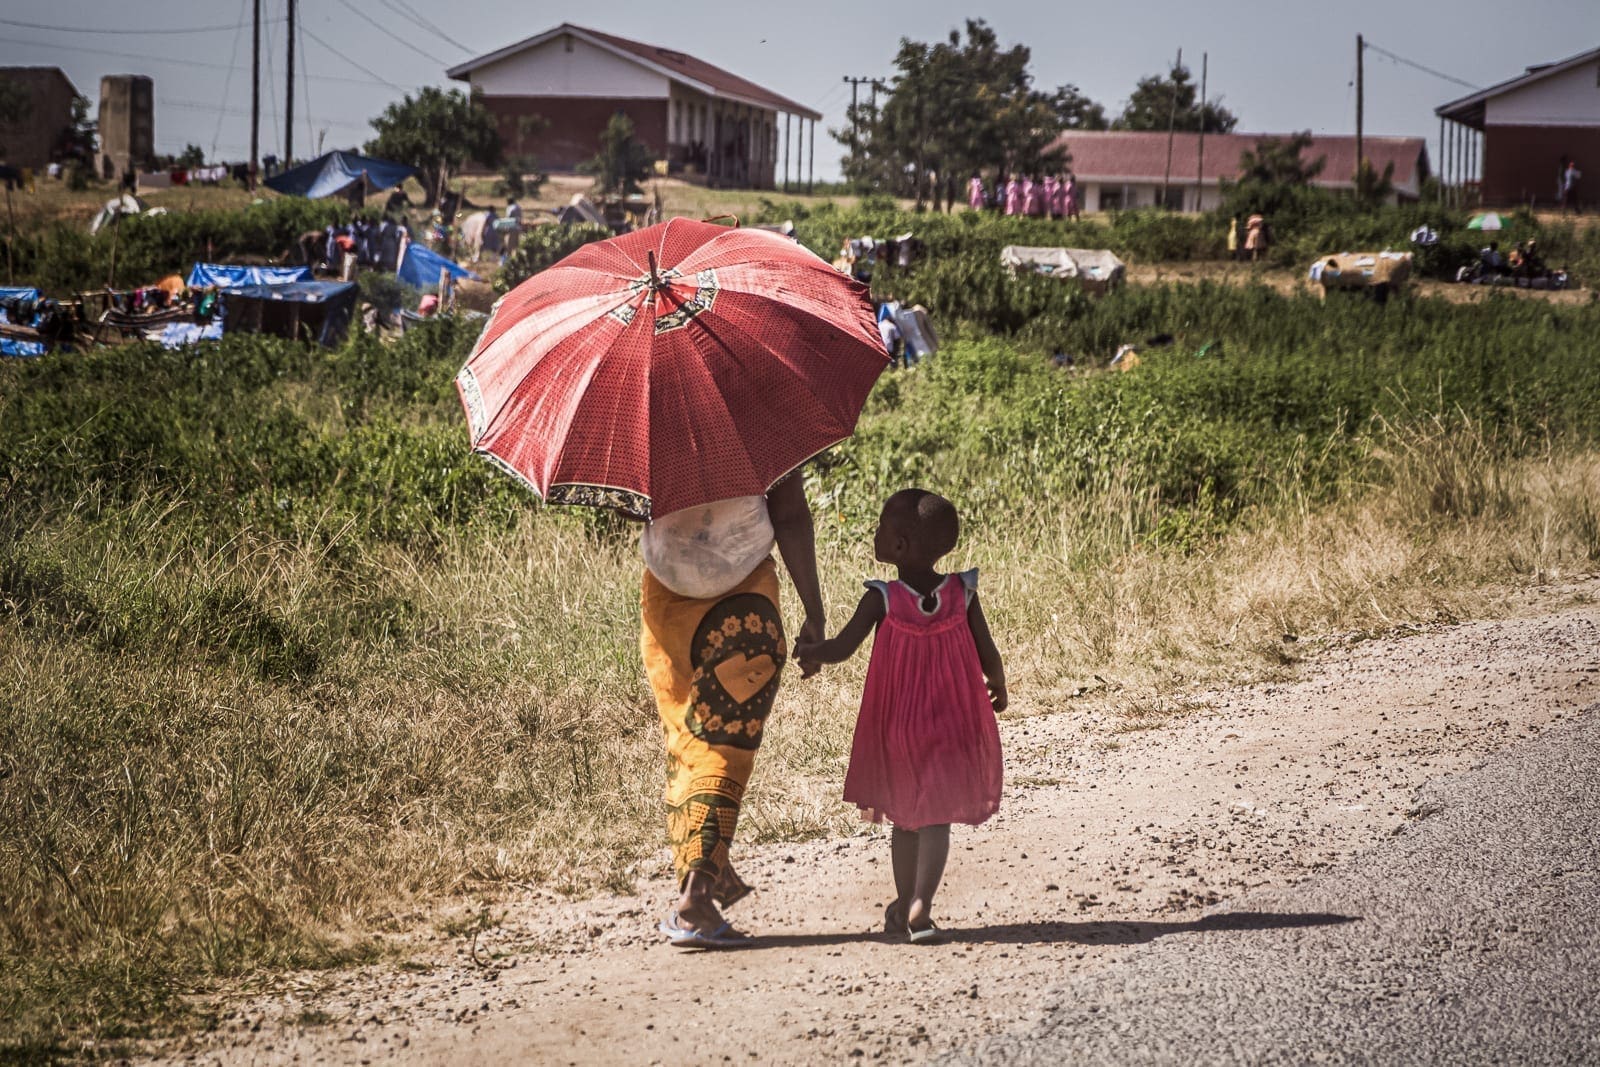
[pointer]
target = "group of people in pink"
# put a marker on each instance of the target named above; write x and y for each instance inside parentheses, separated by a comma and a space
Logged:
(1054, 197)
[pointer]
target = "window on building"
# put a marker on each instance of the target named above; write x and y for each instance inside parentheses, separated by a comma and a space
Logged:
(1173, 199)
(1111, 198)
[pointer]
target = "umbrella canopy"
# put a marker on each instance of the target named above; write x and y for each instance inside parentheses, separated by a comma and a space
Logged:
(673, 366)
(337, 171)
(1489, 220)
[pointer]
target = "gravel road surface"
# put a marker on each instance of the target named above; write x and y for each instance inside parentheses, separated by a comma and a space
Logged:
(1471, 936)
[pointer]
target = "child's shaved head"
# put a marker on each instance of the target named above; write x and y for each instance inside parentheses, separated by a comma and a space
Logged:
(927, 521)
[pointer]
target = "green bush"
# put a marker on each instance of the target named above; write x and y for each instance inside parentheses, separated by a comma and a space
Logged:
(542, 246)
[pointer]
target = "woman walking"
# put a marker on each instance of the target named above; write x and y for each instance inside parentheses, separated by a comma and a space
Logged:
(713, 647)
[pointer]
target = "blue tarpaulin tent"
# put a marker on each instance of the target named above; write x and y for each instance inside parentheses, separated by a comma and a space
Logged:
(318, 311)
(227, 276)
(420, 269)
(336, 172)
(15, 346)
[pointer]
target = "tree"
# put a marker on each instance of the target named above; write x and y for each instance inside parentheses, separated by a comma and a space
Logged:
(1280, 161)
(437, 132)
(955, 108)
(1158, 100)
(623, 162)
(192, 156)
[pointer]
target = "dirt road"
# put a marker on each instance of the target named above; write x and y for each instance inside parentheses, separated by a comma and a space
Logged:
(1110, 837)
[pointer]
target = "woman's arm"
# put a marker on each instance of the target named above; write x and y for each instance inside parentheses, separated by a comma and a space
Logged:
(843, 645)
(988, 655)
(797, 544)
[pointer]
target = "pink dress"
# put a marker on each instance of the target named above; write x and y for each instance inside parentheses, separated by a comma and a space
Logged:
(1032, 197)
(1052, 197)
(1013, 197)
(926, 748)
(975, 194)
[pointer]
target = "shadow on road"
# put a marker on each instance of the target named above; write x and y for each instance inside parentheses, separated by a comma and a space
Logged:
(1139, 933)
(1083, 933)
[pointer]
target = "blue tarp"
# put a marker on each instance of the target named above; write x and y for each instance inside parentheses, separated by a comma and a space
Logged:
(420, 269)
(10, 346)
(178, 334)
(320, 311)
(227, 276)
(336, 172)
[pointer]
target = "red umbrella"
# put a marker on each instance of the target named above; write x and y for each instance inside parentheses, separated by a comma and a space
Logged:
(672, 366)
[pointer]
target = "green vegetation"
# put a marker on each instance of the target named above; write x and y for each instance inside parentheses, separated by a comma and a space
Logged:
(279, 659)
(623, 161)
(438, 131)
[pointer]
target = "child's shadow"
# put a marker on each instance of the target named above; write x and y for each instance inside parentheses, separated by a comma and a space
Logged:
(1111, 932)
(1134, 932)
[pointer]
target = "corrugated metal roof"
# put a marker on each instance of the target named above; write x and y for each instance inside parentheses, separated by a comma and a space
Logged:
(1129, 156)
(697, 73)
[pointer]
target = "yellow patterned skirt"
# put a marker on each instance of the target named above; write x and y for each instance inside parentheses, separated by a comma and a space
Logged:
(714, 667)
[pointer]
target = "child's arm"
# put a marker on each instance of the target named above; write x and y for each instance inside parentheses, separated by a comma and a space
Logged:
(988, 655)
(842, 646)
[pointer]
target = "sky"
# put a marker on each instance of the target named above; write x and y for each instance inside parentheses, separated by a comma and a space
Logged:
(1279, 66)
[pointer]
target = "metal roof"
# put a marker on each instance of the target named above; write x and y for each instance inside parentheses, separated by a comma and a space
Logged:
(679, 66)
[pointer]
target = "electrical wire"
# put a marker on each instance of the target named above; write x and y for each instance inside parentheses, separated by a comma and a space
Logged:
(178, 61)
(1426, 70)
(400, 7)
(381, 28)
(381, 79)
(227, 82)
(120, 33)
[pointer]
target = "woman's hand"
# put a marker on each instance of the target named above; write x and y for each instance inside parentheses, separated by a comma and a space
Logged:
(812, 633)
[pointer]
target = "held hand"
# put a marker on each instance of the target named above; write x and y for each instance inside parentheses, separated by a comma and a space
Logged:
(805, 646)
(998, 697)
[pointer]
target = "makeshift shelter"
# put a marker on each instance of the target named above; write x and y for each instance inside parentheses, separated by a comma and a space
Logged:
(229, 276)
(336, 172)
(316, 311)
(1377, 273)
(1095, 269)
(421, 268)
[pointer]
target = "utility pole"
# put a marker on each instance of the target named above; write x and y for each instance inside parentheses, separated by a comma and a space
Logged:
(1200, 166)
(255, 97)
(1361, 51)
(855, 136)
(288, 106)
(1172, 118)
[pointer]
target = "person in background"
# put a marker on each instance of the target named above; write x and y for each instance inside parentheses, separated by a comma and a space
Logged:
(1569, 187)
(976, 199)
(1032, 198)
(1014, 196)
(1052, 195)
(1070, 191)
(490, 242)
(1256, 236)
(892, 339)
(1233, 238)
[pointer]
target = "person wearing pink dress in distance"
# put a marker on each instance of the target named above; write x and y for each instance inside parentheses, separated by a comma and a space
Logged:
(1031, 191)
(1058, 199)
(975, 196)
(1052, 194)
(926, 751)
(1014, 196)
(1069, 192)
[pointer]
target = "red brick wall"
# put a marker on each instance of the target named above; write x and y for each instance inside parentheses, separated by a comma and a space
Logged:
(575, 125)
(1520, 163)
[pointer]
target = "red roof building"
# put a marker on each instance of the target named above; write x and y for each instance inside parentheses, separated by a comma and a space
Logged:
(1124, 169)
(701, 119)
(1524, 127)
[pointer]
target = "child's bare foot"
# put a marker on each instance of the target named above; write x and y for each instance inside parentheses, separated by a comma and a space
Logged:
(894, 920)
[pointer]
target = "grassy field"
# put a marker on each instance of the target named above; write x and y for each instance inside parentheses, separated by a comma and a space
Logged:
(283, 670)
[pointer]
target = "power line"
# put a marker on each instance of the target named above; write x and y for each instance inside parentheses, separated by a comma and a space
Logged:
(181, 62)
(400, 7)
(227, 83)
(381, 79)
(1419, 66)
(386, 31)
(118, 33)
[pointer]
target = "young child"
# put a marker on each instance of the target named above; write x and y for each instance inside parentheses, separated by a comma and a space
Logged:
(926, 750)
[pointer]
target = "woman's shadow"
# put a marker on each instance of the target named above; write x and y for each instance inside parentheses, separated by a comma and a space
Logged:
(1110, 932)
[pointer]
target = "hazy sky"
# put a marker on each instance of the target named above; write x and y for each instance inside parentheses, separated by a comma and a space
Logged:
(1278, 65)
